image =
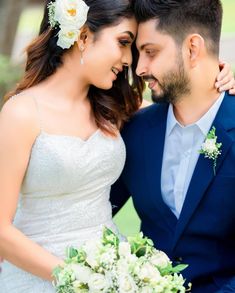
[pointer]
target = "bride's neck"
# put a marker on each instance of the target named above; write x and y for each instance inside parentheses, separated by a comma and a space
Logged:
(65, 83)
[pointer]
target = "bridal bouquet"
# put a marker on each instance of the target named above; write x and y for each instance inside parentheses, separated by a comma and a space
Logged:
(108, 265)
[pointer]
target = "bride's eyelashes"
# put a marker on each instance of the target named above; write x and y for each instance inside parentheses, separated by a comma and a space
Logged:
(125, 42)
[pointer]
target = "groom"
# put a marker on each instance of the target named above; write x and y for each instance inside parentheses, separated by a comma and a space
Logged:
(185, 206)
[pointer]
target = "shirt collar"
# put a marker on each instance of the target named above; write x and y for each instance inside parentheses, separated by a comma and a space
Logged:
(204, 123)
(171, 120)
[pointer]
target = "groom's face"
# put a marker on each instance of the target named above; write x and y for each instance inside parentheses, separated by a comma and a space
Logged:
(161, 63)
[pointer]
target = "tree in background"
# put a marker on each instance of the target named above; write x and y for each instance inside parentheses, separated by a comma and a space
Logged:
(10, 11)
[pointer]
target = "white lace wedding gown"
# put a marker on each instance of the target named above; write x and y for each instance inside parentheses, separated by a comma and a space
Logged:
(64, 198)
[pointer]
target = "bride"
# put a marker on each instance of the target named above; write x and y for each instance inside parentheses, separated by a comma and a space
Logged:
(60, 145)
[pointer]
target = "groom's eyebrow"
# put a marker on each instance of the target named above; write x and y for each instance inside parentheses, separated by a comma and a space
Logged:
(141, 48)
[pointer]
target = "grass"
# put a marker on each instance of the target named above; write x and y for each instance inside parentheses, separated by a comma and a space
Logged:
(127, 220)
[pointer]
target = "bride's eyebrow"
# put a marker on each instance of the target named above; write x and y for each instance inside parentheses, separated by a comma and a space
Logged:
(130, 34)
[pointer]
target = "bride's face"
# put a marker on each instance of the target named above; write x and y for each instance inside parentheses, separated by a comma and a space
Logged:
(106, 54)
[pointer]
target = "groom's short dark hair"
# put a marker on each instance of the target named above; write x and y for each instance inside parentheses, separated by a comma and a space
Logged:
(180, 17)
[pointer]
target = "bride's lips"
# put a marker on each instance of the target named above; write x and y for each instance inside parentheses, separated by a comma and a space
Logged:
(115, 71)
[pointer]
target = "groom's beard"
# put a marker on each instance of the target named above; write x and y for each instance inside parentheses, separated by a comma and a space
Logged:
(173, 85)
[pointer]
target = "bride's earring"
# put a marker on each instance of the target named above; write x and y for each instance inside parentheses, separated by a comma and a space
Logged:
(81, 48)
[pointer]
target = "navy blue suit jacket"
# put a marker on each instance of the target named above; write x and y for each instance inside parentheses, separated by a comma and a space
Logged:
(204, 235)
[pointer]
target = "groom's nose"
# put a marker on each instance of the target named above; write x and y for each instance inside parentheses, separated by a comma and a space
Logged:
(141, 68)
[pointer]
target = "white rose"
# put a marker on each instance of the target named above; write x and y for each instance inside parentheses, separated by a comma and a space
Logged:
(71, 13)
(126, 284)
(160, 259)
(92, 250)
(97, 283)
(149, 273)
(92, 246)
(81, 273)
(122, 266)
(67, 37)
(209, 145)
(124, 249)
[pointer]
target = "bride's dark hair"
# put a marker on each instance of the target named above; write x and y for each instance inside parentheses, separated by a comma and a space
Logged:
(111, 107)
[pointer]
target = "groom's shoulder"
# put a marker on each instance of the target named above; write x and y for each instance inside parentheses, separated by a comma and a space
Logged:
(226, 112)
(230, 101)
(143, 118)
(145, 115)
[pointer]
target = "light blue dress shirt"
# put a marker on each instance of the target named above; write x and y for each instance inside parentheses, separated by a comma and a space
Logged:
(181, 152)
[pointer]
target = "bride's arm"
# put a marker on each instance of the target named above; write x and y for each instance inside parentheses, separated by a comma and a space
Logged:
(17, 135)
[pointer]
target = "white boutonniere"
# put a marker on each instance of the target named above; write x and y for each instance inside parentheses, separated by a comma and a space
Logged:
(211, 149)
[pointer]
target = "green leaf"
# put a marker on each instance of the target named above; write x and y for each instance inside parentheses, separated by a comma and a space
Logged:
(56, 271)
(141, 251)
(140, 245)
(171, 270)
(179, 268)
(109, 237)
(71, 252)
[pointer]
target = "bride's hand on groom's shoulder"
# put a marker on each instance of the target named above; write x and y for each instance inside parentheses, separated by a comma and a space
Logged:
(225, 79)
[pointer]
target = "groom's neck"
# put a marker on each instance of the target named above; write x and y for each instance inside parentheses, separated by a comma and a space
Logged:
(189, 109)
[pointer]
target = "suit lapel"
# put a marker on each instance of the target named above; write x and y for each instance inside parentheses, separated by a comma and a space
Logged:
(154, 139)
(203, 173)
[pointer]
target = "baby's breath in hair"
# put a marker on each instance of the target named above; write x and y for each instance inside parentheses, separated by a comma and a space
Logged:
(51, 14)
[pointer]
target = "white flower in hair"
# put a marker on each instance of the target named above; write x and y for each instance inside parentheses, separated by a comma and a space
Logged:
(67, 37)
(71, 12)
(70, 16)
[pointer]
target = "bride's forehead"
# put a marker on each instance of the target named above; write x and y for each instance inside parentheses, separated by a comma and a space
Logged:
(123, 26)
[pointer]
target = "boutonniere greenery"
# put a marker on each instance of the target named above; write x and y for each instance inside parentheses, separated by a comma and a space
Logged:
(211, 149)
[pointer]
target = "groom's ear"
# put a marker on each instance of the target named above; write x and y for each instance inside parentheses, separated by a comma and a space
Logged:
(195, 46)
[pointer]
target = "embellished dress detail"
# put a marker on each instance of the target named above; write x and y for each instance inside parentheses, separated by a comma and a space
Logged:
(64, 198)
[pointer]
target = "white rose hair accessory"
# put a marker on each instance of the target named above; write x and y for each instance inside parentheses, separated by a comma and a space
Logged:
(69, 16)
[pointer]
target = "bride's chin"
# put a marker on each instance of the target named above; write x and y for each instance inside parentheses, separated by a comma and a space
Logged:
(107, 87)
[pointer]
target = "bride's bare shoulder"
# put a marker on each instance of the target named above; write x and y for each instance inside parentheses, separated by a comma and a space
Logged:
(19, 107)
(19, 114)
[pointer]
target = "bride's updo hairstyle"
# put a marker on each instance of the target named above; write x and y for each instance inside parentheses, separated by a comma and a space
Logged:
(111, 107)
